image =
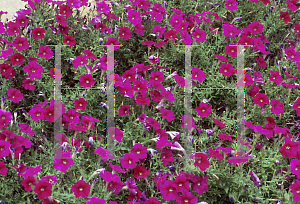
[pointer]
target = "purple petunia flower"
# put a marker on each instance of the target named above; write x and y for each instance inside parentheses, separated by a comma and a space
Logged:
(255, 179)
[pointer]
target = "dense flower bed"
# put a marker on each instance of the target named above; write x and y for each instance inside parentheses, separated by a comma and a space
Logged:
(163, 150)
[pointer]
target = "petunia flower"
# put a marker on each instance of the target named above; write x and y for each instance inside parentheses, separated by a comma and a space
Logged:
(231, 5)
(261, 62)
(38, 33)
(230, 30)
(296, 106)
(170, 34)
(232, 50)
(198, 74)
(115, 134)
(168, 114)
(168, 192)
(124, 32)
(28, 84)
(63, 162)
(80, 104)
(226, 69)
(199, 35)
(14, 95)
(289, 149)
(204, 110)
(102, 7)
(86, 81)
(199, 184)
(95, 200)
(17, 58)
(139, 151)
(277, 107)
(186, 197)
(275, 77)
(27, 182)
(128, 161)
(225, 137)
(26, 129)
(81, 189)
(295, 187)
(34, 70)
(201, 161)
(284, 16)
(69, 40)
(113, 41)
(261, 99)
(140, 172)
(134, 17)
(295, 167)
(20, 43)
(255, 28)
(43, 189)
(139, 29)
(154, 59)
(80, 60)
(45, 52)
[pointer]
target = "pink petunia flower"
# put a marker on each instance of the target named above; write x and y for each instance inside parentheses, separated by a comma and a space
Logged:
(140, 172)
(17, 58)
(277, 107)
(230, 30)
(139, 29)
(27, 182)
(275, 77)
(43, 189)
(226, 69)
(86, 81)
(255, 28)
(45, 52)
(296, 190)
(261, 99)
(113, 41)
(199, 35)
(69, 40)
(80, 104)
(168, 114)
(198, 74)
(232, 50)
(25, 128)
(204, 110)
(95, 200)
(125, 33)
(139, 151)
(295, 167)
(289, 149)
(201, 161)
(186, 197)
(81, 189)
(37, 113)
(225, 137)
(168, 191)
(134, 17)
(115, 134)
(34, 70)
(80, 60)
(124, 110)
(14, 95)
(63, 162)
(231, 5)
(20, 43)
(296, 106)
(104, 154)
(102, 7)
(38, 33)
(284, 16)
(261, 62)
(128, 161)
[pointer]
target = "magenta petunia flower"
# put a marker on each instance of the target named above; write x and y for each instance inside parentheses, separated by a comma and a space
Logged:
(275, 77)
(289, 149)
(26, 129)
(80, 104)
(296, 190)
(219, 123)
(104, 154)
(226, 69)
(17, 58)
(186, 39)
(232, 50)
(102, 7)
(128, 161)
(181, 183)
(140, 172)
(34, 70)
(14, 95)
(158, 30)
(296, 106)
(199, 184)
(20, 43)
(230, 30)
(139, 151)
(65, 10)
(28, 84)
(199, 35)
(4, 148)
(168, 191)
(43, 189)
(113, 41)
(69, 40)
(154, 59)
(186, 197)
(80, 60)
(95, 200)
(261, 99)
(292, 4)
(45, 52)
(261, 62)
(231, 5)
(37, 113)
(240, 157)
(115, 134)
(168, 95)
(38, 33)
(134, 17)
(198, 74)
(63, 162)
(13, 28)
(86, 81)
(201, 161)
(27, 182)
(125, 33)
(277, 107)
(170, 34)
(255, 28)
(168, 114)
(152, 200)
(139, 29)
(225, 137)
(284, 16)
(5, 118)
(81, 189)
(295, 167)
(156, 16)
(124, 110)
(204, 110)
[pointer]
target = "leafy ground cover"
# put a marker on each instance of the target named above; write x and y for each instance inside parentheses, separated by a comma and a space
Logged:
(222, 146)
